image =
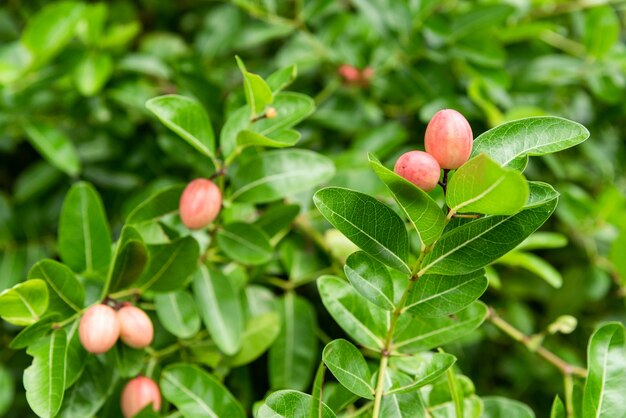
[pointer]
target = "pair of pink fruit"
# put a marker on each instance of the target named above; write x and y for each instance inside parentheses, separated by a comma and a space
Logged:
(448, 143)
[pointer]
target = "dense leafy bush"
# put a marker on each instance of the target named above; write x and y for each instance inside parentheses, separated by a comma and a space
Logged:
(324, 284)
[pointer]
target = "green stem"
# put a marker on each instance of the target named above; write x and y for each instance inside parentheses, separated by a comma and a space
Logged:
(568, 384)
(380, 384)
(454, 391)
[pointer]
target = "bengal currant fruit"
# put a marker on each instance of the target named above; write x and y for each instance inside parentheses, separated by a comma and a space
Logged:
(349, 73)
(420, 168)
(200, 203)
(271, 113)
(99, 329)
(136, 328)
(449, 138)
(139, 393)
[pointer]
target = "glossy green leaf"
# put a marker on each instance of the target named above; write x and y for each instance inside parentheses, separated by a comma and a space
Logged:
(482, 186)
(282, 78)
(260, 333)
(317, 403)
(401, 405)
(236, 122)
(44, 379)
(363, 321)
(54, 146)
(129, 260)
(258, 93)
(162, 203)
(24, 303)
(129, 360)
(7, 391)
(170, 265)
(534, 264)
(291, 109)
(290, 404)
(480, 242)
(498, 407)
(91, 390)
(424, 213)
(84, 236)
(429, 371)
(197, 394)
(219, 305)
(92, 73)
(66, 293)
(371, 279)
(558, 409)
(273, 175)
(245, 243)
(177, 313)
(602, 30)
(293, 355)
(437, 295)
(606, 379)
(76, 355)
(187, 118)
(417, 334)
(32, 333)
(348, 366)
(510, 143)
(277, 219)
(279, 139)
(371, 225)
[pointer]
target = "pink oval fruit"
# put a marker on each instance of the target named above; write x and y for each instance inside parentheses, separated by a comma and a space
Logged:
(99, 329)
(200, 203)
(419, 168)
(139, 393)
(136, 328)
(449, 138)
(349, 73)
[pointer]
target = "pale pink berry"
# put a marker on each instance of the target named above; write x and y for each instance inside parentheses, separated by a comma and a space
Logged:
(136, 328)
(449, 138)
(200, 203)
(99, 329)
(419, 168)
(139, 393)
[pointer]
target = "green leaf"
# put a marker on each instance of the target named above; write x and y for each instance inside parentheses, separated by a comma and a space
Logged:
(219, 305)
(245, 243)
(348, 366)
(44, 379)
(606, 376)
(277, 219)
(498, 407)
(51, 29)
(91, 391)
(129, 360)
(24, 303)
(170, 265)
(371, 279)
(84, 236)
(423, 212)
(261, 332)
(92, 73)
(535, 265)
(290, 404)
(429, 371)
(7, 392)
(558, 409)
(291, 109)
(401, 405)
(279, 139)
(177, 313)
(481, 185)
(511, 143)
(197, 394)
(76, 355)
(32, 333)
(418, 334)
(258, 93)
(66, 293)
(361, 320)
(273, 175)
(316, 393)
(293, 355)
(237, 121)
(371, 225)
(129, 260)
(54, 146)
(480, 242)
(282, 78)
(187, 118)
(602, 30)
(437, 295)
(162, 203)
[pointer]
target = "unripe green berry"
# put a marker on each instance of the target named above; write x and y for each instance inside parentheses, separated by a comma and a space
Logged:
(449, 139)
(139, 393)
(200, 203)
(136, 328)
(99, 329)
(420, 168)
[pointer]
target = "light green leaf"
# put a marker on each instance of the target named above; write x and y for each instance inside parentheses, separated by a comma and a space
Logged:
(533, 264)
(348, 365)
(219, 305)
(279, 139)
(606, 379)
(424, 213)
(316, 393)
(24, 303)
(292, 356)
(290, 404)
(170, 265)
(44, 379)
(558, 409)
(437, 295)
(245, 243)
(480, 242)
(429, 371)
(54, 146)
(177, 313)
(66, 293)
(273, 175)
(371, 225)
(498, 407)
(258, 93)
(32, 333)
(415, 334)
(282, 78)
(162, 203)
(92, 73)
(291, 109)
(482, 186)
(602, 30)
(401, 405)
(261, 332)
(511, 143)
(371, 279)
(7, 392)
(363, 321)
(187, 118)
(197, 394)
(84, 236)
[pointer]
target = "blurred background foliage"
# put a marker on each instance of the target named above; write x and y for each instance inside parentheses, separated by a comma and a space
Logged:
(72, 106)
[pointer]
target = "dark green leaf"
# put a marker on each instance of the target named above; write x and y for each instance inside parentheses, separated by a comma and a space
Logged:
(371, 279)
(260, 333)
(90, 392)
(170, 265)
(245, 243)
(348, 365)
(177, 313)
